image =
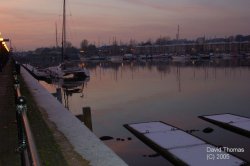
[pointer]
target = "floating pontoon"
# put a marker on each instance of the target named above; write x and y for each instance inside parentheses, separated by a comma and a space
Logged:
(180, 147)
(235, 123)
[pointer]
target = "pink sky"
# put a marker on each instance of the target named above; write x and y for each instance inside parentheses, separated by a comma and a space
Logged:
(31, 23)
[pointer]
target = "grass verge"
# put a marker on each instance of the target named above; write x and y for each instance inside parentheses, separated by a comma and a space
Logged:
(48, 149)
(53, 147)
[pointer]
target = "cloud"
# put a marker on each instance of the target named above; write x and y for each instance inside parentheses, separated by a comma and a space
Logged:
(186, 7)
(32, 22)
(25, 13)
(159, 5)
(93, 4)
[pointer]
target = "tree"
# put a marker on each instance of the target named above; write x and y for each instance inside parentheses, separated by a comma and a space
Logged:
(162, 40)
(68, 44)
(92, 50)
(147, 43)
(84, 44)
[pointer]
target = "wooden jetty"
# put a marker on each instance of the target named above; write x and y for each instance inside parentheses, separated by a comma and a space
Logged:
(179, 147)
(234, 123)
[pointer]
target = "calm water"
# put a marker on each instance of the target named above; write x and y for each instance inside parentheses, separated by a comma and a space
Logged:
(172, 92)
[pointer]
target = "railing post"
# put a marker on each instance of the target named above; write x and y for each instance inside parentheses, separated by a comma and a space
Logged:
(17, 89)
(17, 67)
(16, 84)
(20, 108)
(14, 73)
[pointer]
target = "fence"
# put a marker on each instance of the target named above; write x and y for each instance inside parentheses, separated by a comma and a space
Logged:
(27, 147)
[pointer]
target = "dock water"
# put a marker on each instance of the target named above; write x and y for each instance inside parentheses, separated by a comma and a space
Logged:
(83, 141)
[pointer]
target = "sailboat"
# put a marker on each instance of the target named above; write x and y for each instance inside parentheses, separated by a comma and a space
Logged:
(177, 57)
(68, 69)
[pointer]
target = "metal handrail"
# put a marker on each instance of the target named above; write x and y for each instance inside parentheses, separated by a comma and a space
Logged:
(27, 145)
(30, 141)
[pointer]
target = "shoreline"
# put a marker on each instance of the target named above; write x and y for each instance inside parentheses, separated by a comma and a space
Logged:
(83, 141)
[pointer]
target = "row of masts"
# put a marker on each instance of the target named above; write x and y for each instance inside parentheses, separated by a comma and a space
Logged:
(63, 31)
(178, 33)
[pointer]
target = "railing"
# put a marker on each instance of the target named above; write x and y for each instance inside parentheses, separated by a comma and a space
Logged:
(26, 147)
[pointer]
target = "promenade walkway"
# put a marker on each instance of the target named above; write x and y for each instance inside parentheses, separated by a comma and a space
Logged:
(8, 126)
(74, 147)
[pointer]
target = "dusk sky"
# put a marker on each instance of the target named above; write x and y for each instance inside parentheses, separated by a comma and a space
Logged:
(31, 23)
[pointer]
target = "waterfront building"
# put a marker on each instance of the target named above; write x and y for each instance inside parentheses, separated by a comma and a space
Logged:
(200, 46)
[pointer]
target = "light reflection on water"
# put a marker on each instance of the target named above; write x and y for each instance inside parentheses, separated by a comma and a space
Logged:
(175, 93)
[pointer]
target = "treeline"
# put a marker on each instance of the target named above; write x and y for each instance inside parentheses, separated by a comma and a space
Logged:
(90, 49)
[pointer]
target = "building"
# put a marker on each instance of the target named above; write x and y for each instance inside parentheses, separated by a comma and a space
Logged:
(200, 46)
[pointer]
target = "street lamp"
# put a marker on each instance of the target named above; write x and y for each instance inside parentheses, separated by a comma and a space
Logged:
(2, 42)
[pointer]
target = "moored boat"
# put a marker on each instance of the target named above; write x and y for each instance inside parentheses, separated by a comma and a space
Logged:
(67, 66)
(180, 58)
(72, 69)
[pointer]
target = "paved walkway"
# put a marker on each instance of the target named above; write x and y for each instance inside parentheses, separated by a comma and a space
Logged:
(8, 127)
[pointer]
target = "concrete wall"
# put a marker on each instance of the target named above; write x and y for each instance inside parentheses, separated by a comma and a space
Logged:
(82, 139)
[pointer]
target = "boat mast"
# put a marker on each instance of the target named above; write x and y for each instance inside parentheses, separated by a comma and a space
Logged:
(64, 30)
(178, 33)
(177, 39)
(56, 36)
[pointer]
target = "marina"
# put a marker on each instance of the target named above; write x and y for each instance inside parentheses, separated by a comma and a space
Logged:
(117, 95)
(117, 83)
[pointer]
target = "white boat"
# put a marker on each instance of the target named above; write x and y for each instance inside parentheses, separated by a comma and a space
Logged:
(54, 72)
(128, 57)
(247, 55)
(204, 56)
(157, 56)
(145, 56)
(38, 72)
(180, 58)
(68, 70)
(97, 58)
(226, 56)
(116, 58)
(194, 57)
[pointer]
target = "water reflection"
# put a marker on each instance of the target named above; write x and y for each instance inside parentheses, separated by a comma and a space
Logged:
(67, 87)
(172, 92)
(164, 67)
(72, 87)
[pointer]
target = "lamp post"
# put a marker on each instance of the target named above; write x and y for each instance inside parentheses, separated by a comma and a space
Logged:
(3, 51)
(3, 43)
